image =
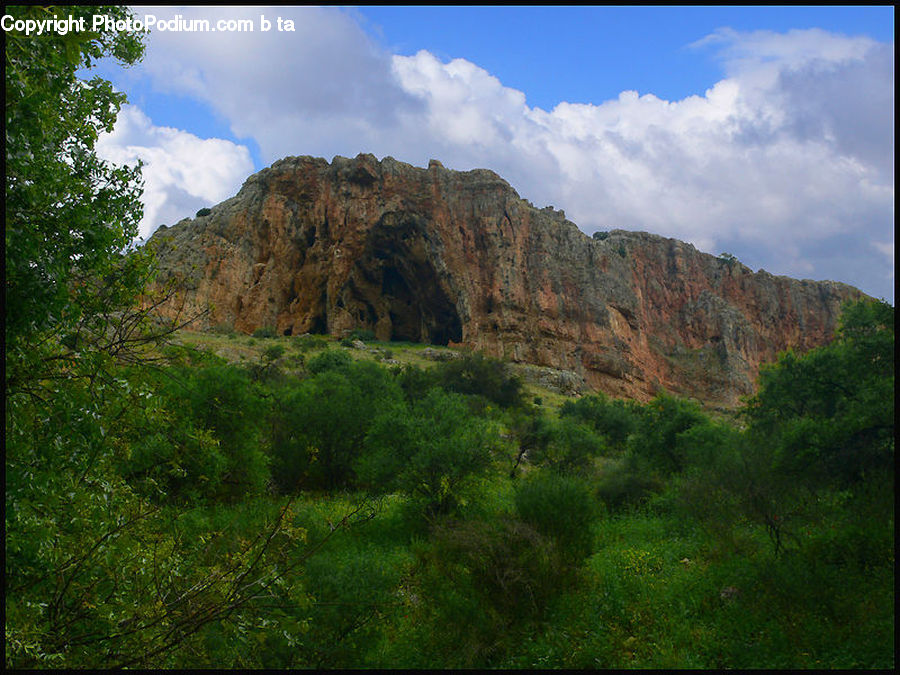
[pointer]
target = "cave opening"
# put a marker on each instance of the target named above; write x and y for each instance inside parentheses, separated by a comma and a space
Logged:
(319, 325)
(419, 308)
(397, 280)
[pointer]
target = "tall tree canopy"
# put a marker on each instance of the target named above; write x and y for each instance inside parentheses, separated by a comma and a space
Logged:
(69, 214)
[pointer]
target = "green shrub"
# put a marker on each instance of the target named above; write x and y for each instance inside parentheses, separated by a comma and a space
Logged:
(224, 328)
(416, 382)
(224, 400)
(728, 259)
(363, 334)
(351, 585)
(480, 375)
(621, 487)
(656, 444)
(560, 507)
(264, 332)
(210, 445)
(480, 588)
(330, 359)
(430, 450)
(565, 446)
(273, 352)
(309, 343)
(203, 212)
(266, 369)
(613, 418)
(320, 424)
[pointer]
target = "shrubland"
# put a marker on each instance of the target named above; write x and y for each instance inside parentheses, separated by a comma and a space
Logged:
(184, 500)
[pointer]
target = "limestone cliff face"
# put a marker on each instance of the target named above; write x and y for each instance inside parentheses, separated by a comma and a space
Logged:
(458, 258)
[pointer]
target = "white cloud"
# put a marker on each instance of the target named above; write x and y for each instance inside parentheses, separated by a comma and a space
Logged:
(182, 172)
(323, 89)
(787, 162)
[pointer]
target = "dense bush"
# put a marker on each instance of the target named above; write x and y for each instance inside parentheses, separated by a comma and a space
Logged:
(430, 450)
(480, 375)
(223, 400)
(363, 334)
(612, 418)
(330, 359)
(417, 382)
(659, 443)
(829, 414)
(307, 342)
(620, 486)
(566, 446)
(319, 424)
(560, 507)
(480, 589)
(824, 421)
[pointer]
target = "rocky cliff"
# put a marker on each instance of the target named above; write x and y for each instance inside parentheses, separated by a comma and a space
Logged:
(457, 258)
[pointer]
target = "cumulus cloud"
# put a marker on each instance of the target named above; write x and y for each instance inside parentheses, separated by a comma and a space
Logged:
(182, 173)
(322, 89)
(786, 162)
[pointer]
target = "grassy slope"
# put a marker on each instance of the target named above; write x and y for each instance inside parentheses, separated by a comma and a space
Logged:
(239, 348)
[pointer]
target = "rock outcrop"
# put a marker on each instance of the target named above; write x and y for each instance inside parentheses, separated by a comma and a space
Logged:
(447, 257)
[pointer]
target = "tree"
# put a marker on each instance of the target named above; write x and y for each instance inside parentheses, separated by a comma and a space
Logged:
(320, 424)
(561, 507)
(829, 414)
(659, 442)
(613, 418)
(96, 575)
(566, 446)
(480, 375)
(822, 428)
(429, 451)
(69, 214)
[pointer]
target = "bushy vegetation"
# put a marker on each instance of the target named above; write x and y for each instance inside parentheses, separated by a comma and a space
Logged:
(310, 508)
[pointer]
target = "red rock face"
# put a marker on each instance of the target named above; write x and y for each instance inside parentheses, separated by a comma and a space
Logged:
(457, 258)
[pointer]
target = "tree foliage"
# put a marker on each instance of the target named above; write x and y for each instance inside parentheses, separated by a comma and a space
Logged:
(69, 214)
(823, 423)
(560, 507)
(829, 414)
(480, 375)
(612, 418)
(98, 572)
(429, 450)
(320, 424)
(660, 444)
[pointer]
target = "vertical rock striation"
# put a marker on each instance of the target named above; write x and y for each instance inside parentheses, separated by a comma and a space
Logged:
(447, 257)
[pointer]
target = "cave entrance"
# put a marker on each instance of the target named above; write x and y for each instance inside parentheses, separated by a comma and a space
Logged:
(397, 280)
(418, 308)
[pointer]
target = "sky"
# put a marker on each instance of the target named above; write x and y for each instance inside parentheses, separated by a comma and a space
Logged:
(764, 132)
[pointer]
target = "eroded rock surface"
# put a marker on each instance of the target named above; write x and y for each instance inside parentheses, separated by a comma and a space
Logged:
(457, 258)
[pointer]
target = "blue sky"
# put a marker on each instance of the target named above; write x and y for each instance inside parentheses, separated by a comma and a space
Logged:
(766, 132)
(542, 50)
